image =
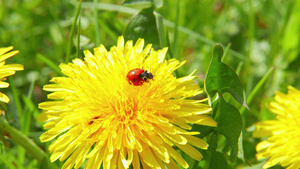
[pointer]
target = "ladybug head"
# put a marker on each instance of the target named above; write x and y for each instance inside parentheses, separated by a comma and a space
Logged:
(146, 75)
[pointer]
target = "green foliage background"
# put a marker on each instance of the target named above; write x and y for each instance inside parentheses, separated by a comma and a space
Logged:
(257, 35)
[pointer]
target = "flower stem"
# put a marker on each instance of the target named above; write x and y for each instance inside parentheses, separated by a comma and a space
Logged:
(19, 138)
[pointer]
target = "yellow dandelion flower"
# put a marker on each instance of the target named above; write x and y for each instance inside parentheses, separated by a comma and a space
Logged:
(7, 70)
(101, 117)
(283, 142)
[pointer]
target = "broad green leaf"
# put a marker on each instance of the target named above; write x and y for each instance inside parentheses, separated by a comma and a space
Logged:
(220, 78)
(204, 130)
(230, 124)
(143, 26)
(217, 161)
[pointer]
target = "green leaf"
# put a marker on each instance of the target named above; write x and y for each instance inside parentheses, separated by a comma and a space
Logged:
(230, 124)
(220, 78)
(204, 130)
(217, 161)
(143, 25)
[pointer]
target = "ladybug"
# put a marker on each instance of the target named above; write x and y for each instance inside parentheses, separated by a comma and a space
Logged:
(138, 76)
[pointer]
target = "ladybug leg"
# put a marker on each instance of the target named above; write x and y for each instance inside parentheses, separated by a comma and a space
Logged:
(145, 78)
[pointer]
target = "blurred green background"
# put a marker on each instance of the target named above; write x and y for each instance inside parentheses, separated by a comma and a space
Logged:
(259, 34)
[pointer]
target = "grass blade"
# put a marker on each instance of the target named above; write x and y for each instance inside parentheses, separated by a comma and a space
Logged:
(109, 7)
(78, 38)
(69, 47)
(257, 87)
(170, 51)
(226, 51)
(204, 39)
(16, 98)
(160, 29)
(97, 33)
(15, 92)
(8, 163)
(105, 28)
(51, 64)
(239, 68)
(27, 112)
(176, 29)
